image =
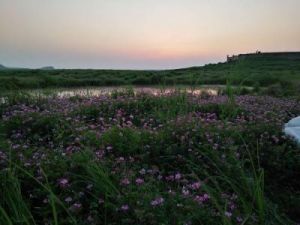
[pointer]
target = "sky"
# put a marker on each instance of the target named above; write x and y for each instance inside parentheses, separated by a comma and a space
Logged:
(142, 34)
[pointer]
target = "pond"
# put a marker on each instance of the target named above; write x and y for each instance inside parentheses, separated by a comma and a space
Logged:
(212, 90)
(137, 90)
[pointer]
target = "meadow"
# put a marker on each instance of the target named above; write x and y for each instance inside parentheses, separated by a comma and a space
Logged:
(129, 158)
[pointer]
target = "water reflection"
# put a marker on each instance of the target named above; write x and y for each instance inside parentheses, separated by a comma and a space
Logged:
(99, 91)
(137, 90)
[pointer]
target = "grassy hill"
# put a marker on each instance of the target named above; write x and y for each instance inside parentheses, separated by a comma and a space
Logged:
(252, 70)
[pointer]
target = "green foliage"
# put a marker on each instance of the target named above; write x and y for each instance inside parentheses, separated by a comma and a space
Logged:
(125, 141)
(16, 210)
(35, 127)
(274, 90)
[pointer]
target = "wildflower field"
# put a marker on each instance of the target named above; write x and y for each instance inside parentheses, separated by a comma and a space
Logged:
(141, 159)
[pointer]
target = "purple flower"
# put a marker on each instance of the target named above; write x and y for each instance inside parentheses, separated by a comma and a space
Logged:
(68, 199)
(89, 186)
(195, 186)
(185, 191)
(232, 206)
(202, 199)
(239, 219)
(228, 214)
(125, 181)
(199, 199)
(101, 201)
(120, 159)
(170, 178)
(125, 208)
(142, 171)
(76, 207)
(109, 148)
(177, 176)
(139, 181)
(206, 196)
(100, 154)
(159, 177)
(63, 182)
(158, 201)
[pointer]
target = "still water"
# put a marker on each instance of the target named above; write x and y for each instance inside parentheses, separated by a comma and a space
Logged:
(137, 90)
(212, 90)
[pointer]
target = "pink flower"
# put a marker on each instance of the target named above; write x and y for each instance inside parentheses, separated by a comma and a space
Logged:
(195, 186)
(125, 181)
(139, 181)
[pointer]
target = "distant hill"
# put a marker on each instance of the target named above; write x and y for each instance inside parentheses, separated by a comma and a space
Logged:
(2, 67)
(47, 68)
(19, 68)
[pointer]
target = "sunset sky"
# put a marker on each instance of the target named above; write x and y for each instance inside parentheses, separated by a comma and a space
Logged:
(142, 34)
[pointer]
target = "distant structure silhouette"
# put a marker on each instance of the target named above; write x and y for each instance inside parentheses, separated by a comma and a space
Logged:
(257, 54)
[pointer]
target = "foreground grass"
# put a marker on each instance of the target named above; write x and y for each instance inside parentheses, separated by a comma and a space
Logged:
(127, 159)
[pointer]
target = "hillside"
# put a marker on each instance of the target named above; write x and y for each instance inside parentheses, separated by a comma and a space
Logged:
(254, 69)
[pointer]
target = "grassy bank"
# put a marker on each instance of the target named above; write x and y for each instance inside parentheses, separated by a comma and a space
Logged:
(128, 159)
(278, 73)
